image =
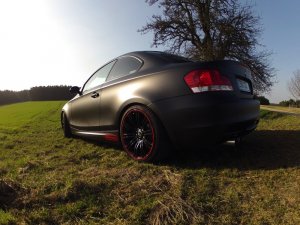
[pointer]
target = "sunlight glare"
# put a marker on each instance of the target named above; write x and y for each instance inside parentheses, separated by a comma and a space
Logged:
(34, 48)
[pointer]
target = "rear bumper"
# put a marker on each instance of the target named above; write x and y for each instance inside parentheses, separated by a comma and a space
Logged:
(203, 119)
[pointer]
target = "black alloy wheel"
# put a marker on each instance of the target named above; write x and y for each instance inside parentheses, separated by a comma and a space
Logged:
(141, 134)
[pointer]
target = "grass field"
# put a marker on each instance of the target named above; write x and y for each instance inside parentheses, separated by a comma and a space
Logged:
(47, 179)
(281, 109)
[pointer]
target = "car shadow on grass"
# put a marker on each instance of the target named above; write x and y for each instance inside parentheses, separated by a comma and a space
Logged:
(263, 149)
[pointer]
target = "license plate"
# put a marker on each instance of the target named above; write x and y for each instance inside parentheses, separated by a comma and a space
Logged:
(243, 85)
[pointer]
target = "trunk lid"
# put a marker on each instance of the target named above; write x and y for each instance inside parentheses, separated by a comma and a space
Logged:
(239, 75)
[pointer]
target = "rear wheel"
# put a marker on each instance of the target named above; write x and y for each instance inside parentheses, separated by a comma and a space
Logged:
(142, 135)
(66, 126)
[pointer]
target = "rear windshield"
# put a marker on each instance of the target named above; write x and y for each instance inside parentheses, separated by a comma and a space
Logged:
(170, 57)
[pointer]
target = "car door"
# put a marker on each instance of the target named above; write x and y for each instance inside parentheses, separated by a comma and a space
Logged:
(112, 96)
(85, 109)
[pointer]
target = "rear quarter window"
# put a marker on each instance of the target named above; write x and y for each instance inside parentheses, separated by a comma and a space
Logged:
(124, 66)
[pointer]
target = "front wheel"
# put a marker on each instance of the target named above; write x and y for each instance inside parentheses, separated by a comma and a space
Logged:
(66, 126)
(142, 135)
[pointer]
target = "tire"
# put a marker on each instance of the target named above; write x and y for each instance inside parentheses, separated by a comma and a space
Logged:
(66, 126)
(142, 136)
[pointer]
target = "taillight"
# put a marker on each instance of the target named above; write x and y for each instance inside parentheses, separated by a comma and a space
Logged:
(207, 80)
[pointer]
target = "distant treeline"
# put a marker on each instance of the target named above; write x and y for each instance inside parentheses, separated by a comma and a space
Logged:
(41, 93)
(290, 103)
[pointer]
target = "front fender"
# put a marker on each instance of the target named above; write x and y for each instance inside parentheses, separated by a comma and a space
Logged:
(66, 109)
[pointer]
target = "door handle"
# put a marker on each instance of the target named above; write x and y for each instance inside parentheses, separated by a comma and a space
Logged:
(95, 95)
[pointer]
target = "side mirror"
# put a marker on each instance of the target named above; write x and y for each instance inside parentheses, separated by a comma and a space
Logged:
(75, 90)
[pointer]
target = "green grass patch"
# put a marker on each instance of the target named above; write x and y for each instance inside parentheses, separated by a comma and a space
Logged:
(269, 115)
(6, 218)
(17, 115)
(48, 179)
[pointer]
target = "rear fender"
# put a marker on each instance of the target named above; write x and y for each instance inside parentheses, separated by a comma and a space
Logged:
(127, 104)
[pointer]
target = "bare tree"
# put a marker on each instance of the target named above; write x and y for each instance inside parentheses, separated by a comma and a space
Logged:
(211, 30)
(294, 85)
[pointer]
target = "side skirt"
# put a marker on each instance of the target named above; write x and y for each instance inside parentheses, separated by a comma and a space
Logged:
(109, 135)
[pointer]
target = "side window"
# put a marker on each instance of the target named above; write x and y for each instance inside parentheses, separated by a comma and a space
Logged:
(98, 77)
(124, 66)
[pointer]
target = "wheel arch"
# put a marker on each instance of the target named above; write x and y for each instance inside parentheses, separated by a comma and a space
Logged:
(125, 107)
(148, 106)
(65, 110)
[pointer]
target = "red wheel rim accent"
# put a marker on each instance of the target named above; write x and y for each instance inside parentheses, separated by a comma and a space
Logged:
(137, 134)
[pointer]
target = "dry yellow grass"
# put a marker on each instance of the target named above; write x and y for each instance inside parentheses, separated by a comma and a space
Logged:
(281, 109)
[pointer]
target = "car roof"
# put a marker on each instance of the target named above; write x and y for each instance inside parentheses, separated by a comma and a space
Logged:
(157, 57)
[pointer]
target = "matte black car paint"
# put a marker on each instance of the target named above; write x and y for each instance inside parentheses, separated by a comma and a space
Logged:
(188, 118)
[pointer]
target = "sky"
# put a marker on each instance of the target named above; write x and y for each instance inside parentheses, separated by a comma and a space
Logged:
(62, 42)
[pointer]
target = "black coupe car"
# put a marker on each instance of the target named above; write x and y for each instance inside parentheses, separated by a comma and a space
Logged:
(151, 100)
